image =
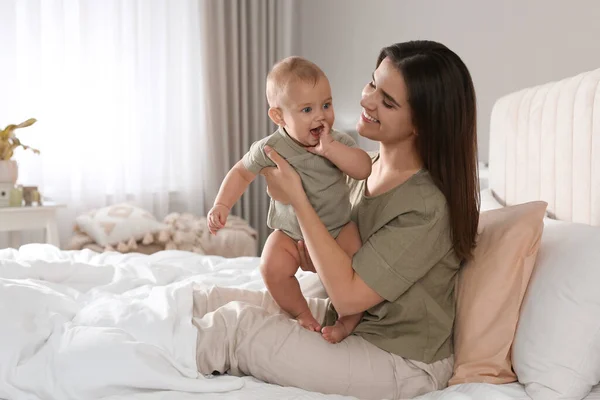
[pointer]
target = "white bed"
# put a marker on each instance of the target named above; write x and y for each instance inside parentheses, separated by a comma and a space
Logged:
(138, 338)
(46, 293)
(141, 306)
(42, 288)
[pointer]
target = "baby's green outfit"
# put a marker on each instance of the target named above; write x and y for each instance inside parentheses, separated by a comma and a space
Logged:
(324, 183)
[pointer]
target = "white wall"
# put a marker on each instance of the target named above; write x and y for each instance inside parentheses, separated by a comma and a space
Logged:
(507, 44)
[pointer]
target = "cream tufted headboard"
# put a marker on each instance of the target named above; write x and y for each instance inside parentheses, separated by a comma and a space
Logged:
(545, 145)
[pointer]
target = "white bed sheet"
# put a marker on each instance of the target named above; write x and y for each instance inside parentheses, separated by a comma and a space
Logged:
(63, 313)
(511, 391)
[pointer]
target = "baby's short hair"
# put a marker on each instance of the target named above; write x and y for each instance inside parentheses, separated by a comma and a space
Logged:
(288, 71)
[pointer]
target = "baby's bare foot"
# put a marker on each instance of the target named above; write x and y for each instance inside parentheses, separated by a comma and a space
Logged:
(335, 334)
(308, 321)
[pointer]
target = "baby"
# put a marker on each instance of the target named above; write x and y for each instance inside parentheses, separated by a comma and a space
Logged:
(300, 103)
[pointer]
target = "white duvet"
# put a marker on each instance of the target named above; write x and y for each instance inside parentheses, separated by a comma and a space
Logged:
(81, 325)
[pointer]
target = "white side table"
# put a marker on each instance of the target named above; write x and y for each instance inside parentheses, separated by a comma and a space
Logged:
(26, 218)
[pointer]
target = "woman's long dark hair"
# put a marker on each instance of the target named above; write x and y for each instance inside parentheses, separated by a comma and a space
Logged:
(444, 113)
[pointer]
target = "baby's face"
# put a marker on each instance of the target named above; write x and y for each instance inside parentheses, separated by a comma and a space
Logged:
(306, 107)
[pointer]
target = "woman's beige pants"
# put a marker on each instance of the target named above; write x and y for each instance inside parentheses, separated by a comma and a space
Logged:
(244, 332)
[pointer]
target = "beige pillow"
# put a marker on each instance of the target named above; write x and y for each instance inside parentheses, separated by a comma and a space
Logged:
(490, 291)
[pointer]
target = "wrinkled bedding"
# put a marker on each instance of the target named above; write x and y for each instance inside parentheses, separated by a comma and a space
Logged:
(83, 325)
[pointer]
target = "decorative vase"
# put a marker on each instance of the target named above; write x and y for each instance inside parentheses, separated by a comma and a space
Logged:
(9, 171)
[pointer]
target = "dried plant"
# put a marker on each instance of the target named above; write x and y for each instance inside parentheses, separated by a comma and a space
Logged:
(9, 142)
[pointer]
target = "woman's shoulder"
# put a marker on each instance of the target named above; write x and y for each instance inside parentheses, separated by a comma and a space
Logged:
(419, 195)
(427, 191)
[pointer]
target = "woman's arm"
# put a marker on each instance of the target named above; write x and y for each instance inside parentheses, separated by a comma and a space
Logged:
(347, 291)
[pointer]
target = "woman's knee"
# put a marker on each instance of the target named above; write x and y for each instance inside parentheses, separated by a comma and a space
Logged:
(229, 337)
(209, 299)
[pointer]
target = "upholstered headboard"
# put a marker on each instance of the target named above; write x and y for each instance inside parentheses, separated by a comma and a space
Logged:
(545, 145)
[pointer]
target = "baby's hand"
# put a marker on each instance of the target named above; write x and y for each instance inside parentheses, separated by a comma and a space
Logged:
(217, 217)
(325, 140)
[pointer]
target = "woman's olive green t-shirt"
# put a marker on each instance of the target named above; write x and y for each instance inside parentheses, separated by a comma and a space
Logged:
(408, 258)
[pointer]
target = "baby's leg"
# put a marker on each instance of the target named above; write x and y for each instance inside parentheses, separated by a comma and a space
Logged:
(349, 241)
(279, 263)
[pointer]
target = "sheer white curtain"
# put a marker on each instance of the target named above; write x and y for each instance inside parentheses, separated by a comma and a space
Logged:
(117, 88)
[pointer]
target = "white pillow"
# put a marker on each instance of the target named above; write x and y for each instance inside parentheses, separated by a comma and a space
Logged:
(118, 223)
(489, 201)
(556, 351)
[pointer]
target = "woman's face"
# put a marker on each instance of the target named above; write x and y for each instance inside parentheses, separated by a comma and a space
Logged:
(386, 114)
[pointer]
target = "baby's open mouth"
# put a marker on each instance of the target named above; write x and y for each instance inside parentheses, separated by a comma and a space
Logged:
(316, 132)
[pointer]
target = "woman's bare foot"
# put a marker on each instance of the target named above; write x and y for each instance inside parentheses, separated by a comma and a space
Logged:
(335, 334)
(309, 322)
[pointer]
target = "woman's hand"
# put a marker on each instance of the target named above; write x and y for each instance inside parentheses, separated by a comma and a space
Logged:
(283, 182)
